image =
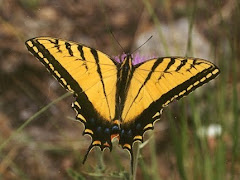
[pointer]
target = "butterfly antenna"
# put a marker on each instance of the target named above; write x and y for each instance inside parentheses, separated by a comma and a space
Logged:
(116, 40)
(142, 44)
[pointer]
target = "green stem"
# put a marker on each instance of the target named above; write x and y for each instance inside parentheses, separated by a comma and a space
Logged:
(31, 118)
(135, 162)
(158, 25)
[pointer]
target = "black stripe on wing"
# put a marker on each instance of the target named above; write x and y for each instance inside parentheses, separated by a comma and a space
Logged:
(53, 66)
(187, 86)
(155, 65)
(95, 55)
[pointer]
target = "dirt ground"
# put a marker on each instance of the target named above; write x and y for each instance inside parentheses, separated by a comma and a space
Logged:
(52, 145)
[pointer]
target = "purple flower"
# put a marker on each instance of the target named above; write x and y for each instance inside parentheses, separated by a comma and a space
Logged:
(137, 58)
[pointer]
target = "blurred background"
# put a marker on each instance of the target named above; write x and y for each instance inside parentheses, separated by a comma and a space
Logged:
(197, 137)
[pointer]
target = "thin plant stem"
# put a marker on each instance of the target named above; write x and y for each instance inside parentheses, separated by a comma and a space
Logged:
(32, 118)
(100, 159)
(153, 157)
(135, 162)
(157, 23)
(189, 51)
(235, 134)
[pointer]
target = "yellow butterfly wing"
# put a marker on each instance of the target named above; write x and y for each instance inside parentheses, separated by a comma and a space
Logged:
(154, 84)
(80, 69)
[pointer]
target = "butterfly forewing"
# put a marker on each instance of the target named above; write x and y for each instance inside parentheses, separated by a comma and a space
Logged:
(157, 82)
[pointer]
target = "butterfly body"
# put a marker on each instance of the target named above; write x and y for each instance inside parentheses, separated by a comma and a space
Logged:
(119, 99)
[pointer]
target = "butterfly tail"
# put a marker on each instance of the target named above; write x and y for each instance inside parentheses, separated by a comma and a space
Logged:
(132, 161)
(86, 155)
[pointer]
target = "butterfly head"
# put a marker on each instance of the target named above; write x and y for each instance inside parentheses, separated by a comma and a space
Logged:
(128, 58)
(126, 64)
(121, 58)
(135, 58)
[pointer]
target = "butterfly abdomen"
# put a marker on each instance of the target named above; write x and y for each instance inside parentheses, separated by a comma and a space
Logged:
(125, 73)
